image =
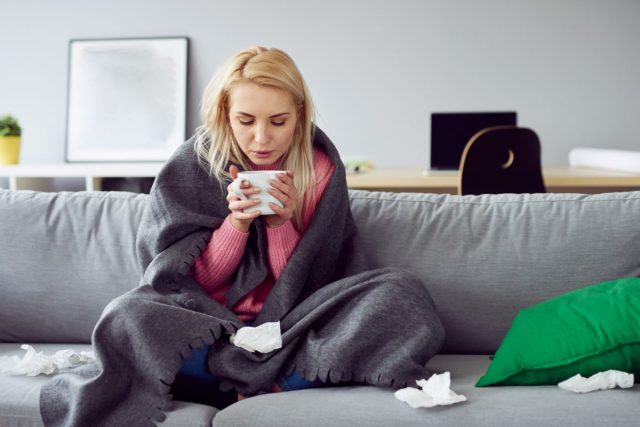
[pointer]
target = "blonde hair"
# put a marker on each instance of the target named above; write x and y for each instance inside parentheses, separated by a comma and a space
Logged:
(215, 143)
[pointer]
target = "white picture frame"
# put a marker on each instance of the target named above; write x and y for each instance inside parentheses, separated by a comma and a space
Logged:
(126, 99)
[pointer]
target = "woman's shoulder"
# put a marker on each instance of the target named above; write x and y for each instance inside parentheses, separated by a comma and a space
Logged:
(185, 168)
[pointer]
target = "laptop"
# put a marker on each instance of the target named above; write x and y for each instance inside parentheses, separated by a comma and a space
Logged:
(450, 133)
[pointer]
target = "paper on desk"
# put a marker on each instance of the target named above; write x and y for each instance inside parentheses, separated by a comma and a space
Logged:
(263, 338)
(600, 381)
(435, 391)
(36, 363)
(619, 160)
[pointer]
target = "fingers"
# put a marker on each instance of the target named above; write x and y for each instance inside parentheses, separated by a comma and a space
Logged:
(284, 213)
(286, 178)
(289, 204)
(241, 219)
(284, 190)
(281, 215)
(289, 200)
(236, 204)
(246, 217)
(240, 205)
(285, 186)
(245, 187)
(233, 171)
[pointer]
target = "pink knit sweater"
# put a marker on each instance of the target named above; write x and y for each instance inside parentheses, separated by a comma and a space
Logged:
(215, 266)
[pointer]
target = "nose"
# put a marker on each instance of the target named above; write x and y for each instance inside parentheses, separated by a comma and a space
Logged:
(261, 133)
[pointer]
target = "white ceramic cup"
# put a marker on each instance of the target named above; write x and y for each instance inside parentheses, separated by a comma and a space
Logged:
(261, 180)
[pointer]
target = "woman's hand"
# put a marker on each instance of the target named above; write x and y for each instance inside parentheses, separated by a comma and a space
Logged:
(286, 192)
(240, 220)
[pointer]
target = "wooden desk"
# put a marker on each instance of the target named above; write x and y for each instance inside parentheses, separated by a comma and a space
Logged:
(558, 179)
(40, 177)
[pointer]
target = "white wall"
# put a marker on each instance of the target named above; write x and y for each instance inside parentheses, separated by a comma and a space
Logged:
(377, 69)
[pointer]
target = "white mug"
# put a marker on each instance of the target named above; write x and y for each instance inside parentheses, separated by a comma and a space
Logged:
(261, 180)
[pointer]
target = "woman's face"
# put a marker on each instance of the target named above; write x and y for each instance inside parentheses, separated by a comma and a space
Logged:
(263, 120)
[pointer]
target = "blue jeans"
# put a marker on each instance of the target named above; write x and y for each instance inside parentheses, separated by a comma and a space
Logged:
(195, 367)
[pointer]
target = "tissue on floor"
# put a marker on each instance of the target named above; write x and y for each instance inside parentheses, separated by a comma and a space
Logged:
(600, 381)
(435, 391)
(618, 160)
(263, 338)
(36, 363)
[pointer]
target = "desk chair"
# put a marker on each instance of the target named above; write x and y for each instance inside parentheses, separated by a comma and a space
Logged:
(501, 159)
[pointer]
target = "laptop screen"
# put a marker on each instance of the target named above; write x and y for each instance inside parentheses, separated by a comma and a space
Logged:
(450, 133)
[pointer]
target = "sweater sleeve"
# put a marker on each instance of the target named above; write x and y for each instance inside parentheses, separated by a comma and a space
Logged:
(215, 265)
(282, 241)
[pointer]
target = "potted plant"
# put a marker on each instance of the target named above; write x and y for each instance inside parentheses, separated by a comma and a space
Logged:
(9, 140)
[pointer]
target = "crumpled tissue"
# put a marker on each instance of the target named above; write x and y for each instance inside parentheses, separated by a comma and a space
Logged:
(600, 381)
(36, 363)
(435, 391)
(263, 338)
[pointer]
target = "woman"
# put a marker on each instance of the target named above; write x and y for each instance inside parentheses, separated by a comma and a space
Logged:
(210, 269)
(257, 114)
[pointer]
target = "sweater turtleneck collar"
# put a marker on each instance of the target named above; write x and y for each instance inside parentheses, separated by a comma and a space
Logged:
(273, 166)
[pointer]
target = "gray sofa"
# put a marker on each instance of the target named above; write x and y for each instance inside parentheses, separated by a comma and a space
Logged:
(63, 256)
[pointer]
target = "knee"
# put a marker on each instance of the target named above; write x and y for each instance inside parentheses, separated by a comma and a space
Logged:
(399, 279)
(127, 303)
(407, 286)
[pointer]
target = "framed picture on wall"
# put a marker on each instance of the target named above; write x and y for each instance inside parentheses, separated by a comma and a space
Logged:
(127, 99)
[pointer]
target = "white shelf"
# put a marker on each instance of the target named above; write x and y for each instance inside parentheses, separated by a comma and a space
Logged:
(38, 177)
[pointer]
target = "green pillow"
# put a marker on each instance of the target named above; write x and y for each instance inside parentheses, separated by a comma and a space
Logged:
(583, 332)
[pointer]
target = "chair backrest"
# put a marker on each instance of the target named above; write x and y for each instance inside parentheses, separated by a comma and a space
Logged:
(501, 159)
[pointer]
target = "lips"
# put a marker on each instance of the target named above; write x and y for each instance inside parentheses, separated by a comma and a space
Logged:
(262, 154)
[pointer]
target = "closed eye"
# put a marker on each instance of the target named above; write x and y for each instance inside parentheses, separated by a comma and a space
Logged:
(273, 122)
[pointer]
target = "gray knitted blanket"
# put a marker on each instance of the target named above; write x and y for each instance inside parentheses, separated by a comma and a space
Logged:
(339, 320)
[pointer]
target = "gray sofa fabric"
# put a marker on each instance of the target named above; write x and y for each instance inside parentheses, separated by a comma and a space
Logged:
(350, 406)
(536, 406)
(20, 395)
(484, 258)
(64, 256)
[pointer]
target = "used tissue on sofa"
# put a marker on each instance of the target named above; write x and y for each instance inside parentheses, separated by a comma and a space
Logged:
(36, 363)
(600, 381)
(263, 338)
(435, 391)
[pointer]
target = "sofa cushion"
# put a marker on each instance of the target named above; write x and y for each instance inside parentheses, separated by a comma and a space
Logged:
(582, 332)
(365, 405)
(351, 406)
(63, 257)
(484, 258)
(20, 395)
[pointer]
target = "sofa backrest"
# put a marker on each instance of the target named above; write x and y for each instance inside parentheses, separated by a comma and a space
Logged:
(64, 256)
(483, 258)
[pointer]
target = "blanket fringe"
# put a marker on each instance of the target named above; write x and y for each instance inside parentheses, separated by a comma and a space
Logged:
(165, 404)
(326, 374)
(334, 375)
